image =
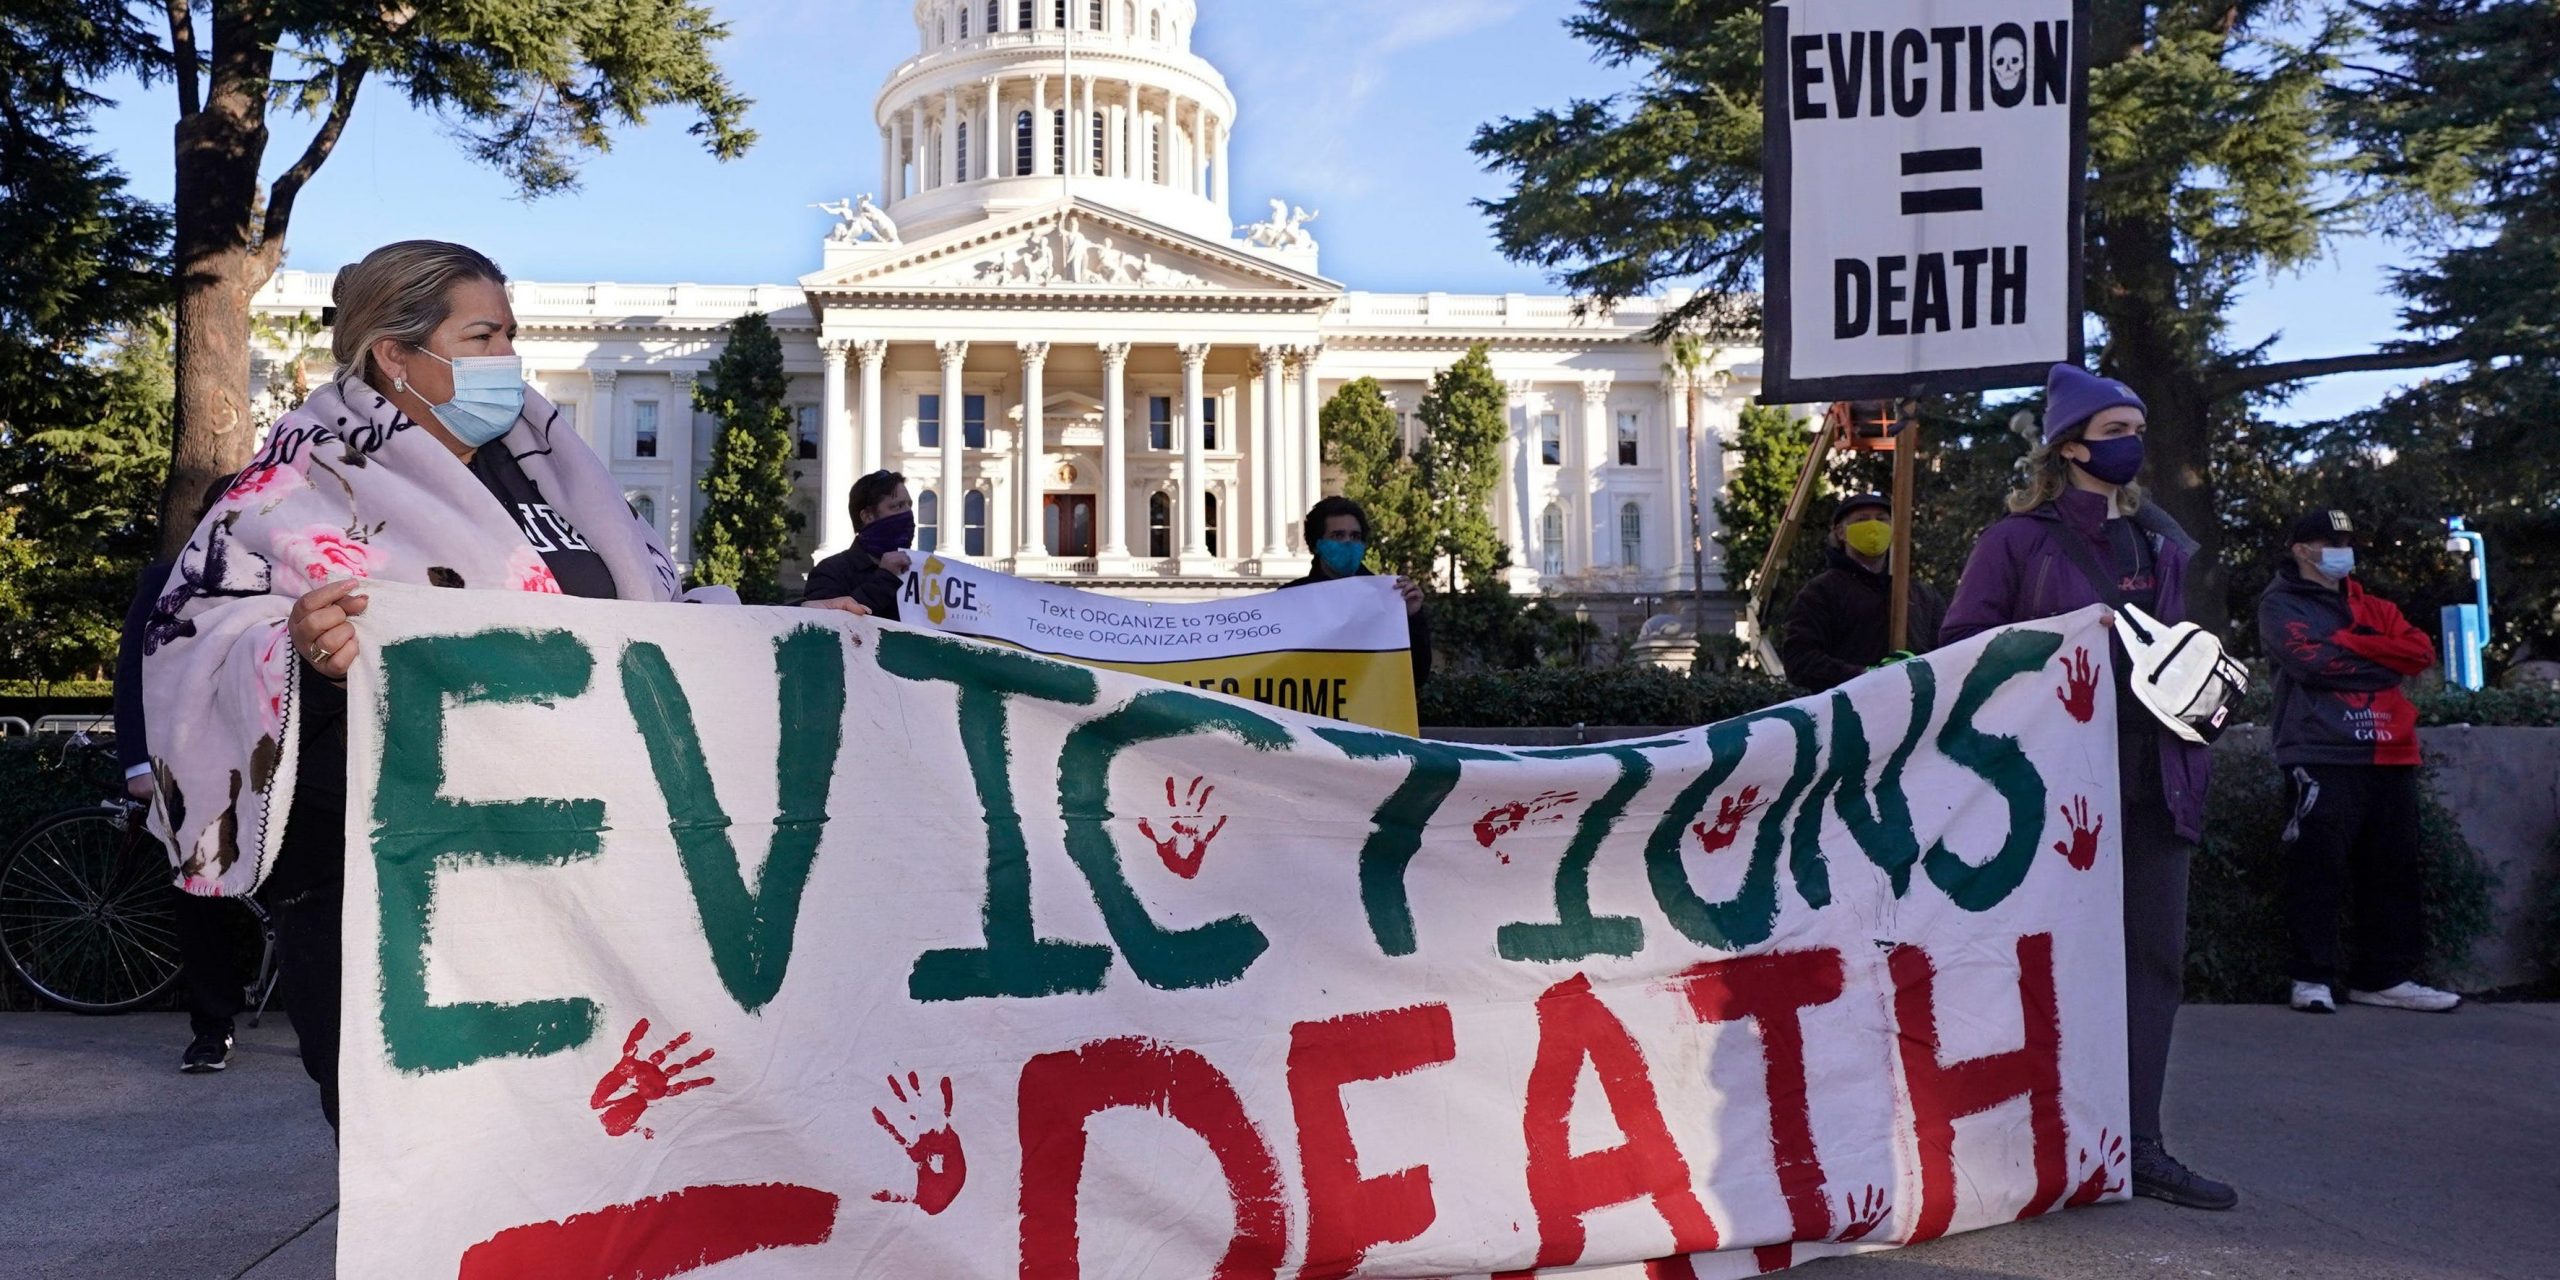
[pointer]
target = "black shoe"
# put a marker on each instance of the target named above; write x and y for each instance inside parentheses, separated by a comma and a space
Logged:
(2158, 1174)
(208, 1052)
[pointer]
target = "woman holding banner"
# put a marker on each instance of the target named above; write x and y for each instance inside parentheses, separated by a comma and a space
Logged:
(2079, 489)
(426, 460)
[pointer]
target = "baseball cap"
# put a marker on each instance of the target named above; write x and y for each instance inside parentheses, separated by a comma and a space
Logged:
(2320, 526)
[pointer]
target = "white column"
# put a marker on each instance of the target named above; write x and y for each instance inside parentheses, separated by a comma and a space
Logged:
(915, 145)
(836, 459)
(874, 353)
(1583, 464)
(1085, 133)
(993, 129)
(1528, 468)
(954, 352)
(1271, 460)
(604, 420)
(1222, 195)
(1032, 481)
(1308, 449)
(1115, 452)
(952, 160)
(1186, 417)
(888, 162)
(1040, 143)
(675, 444)
(1675, 394)
(1133, 161)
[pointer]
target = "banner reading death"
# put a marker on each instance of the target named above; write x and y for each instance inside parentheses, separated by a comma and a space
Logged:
(1335, 649)
(681, 936)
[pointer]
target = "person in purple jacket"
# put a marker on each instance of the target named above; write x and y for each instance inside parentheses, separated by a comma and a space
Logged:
(2080, 484)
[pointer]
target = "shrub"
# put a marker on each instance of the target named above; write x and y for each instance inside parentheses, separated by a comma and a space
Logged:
(1627, 694)
(2237, 938)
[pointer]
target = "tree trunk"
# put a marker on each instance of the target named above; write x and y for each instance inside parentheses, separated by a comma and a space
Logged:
(219, 264)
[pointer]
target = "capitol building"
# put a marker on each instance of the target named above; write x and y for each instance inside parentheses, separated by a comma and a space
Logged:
(1049, 318)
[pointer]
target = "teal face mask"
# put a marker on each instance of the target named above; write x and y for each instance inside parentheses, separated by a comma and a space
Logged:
(488, 396)
(1341, 558)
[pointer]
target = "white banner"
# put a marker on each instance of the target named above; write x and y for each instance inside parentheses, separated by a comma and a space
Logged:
(1922, 162)
(682, 934)
(1336, 649)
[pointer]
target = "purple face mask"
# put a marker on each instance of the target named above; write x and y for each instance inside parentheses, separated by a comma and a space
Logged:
(887, 534)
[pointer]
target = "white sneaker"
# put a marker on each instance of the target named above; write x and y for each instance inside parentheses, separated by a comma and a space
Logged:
(2314, 997)
(2407, 995)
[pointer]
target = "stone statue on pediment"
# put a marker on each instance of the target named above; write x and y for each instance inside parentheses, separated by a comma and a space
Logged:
(859, 220)
(1075, 251)
(1286, 228)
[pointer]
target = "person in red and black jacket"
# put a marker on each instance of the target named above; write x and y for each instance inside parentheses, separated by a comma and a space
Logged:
(2347, 741)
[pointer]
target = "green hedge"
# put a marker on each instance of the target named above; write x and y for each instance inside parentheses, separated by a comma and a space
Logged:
(1627, 694)
(2437, 704)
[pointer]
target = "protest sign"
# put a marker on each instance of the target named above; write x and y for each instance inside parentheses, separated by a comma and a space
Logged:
(1337, 649)
(679, 934)
(1923, 165)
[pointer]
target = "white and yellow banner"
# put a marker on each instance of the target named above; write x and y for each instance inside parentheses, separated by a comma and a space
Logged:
(1335, 649)
(765, 942)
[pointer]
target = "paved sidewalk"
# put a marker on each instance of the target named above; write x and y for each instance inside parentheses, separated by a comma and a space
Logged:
(2370, 1146)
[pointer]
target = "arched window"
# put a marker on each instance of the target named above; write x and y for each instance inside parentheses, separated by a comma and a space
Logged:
(1209, 514)
(645, 509)
(1129, 17)
(1021, 143)
(973, 523)
(960, 173)
(964, 22)
(928, 522)
(1155, 26)
(1058, 140)
(941, 31)
(1097, 142)
(1159, 525)
(1551, 542)
(1631, 536)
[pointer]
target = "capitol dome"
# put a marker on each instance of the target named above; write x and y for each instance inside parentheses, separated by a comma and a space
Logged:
(1012, 104)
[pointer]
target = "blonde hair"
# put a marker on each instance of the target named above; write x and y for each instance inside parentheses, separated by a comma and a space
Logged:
(400, 291)
(2044, 474)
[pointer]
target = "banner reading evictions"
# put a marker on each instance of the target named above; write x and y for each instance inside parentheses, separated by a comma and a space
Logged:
(1923, 164)
(1335, 649)
(678, 934)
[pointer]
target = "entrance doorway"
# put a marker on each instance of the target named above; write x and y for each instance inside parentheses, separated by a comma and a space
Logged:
(1067, 524)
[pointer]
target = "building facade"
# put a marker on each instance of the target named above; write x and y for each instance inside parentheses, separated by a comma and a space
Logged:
(1051, 324)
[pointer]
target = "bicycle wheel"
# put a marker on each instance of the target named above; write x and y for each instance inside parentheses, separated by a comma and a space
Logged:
(85, 917)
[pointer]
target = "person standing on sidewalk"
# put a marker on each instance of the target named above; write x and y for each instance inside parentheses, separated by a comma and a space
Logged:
(1840, 623)
(2079, 533)
(2347, 741)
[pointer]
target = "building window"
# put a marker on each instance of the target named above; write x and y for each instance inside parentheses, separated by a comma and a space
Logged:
(973, 422)
(928, 424)
(1209, 514)
(960, 168)
(1155, 26)
(928, 522)
(1097, 142)
(1021, 143)
(1058, 140)
(804, 431)
(568, 414)
(1160, 422)
(995, 15)
(1551, 439)
(644, 429)
(1155, 151)
(1093, 16)
(973, 523)
(1630, 536)
(1059, 14)
(964, 22)
(1159, 525)
(1628, 430)
(644, 509)
(1209, 423)
(1551, 542)
(1022, 15)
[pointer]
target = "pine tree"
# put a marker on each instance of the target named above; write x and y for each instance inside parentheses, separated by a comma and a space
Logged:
(747, 521)
(1465, 420)
(1361, 438)
(1772, 443)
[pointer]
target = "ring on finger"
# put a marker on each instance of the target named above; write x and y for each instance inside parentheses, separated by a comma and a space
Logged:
(319, 653)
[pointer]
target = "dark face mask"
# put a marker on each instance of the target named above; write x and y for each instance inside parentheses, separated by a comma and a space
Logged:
(887, 534)
(2115, 461)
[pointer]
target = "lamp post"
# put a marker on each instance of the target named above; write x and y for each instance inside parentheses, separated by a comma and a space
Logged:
(2466, 626)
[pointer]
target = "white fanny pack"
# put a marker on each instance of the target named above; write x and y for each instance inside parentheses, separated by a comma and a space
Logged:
(2180, 674)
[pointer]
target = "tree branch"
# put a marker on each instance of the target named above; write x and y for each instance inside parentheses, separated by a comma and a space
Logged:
(2232, 382)
(288, 184)
(182, 57)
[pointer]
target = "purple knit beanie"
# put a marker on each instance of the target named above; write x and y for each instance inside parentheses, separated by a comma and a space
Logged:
(2073, 395)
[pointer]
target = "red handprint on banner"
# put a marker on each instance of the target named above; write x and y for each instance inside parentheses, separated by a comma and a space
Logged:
(1503, 819)
(1187, 835)
(941, 1167)
(634, 1082)
(1730, 813)
(2099, 1183)
(2079, 692)
(2082, 849)
(1863, 1213)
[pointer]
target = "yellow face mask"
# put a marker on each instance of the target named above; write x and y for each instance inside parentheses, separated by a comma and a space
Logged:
(1869, 538)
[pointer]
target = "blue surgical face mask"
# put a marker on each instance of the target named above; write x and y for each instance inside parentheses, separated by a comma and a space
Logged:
(488, 396)
(1341, 558)
(2115, 461)
(2337, 562)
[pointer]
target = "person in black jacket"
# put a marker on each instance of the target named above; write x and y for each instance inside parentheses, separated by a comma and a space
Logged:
(871, 571)
(1338, 533)
(1840, 623)
(213, 982)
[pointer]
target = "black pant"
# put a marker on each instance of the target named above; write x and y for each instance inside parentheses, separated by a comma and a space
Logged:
(2155, 925)
(307, 935)
(2353, 836)
(207, 962)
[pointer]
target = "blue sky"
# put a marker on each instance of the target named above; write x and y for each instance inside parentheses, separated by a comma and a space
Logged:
(1359, 109)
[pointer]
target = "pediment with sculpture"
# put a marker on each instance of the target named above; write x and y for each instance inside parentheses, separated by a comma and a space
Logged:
(1074, 246)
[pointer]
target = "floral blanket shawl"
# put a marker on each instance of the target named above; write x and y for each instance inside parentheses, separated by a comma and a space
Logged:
(346, 486)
